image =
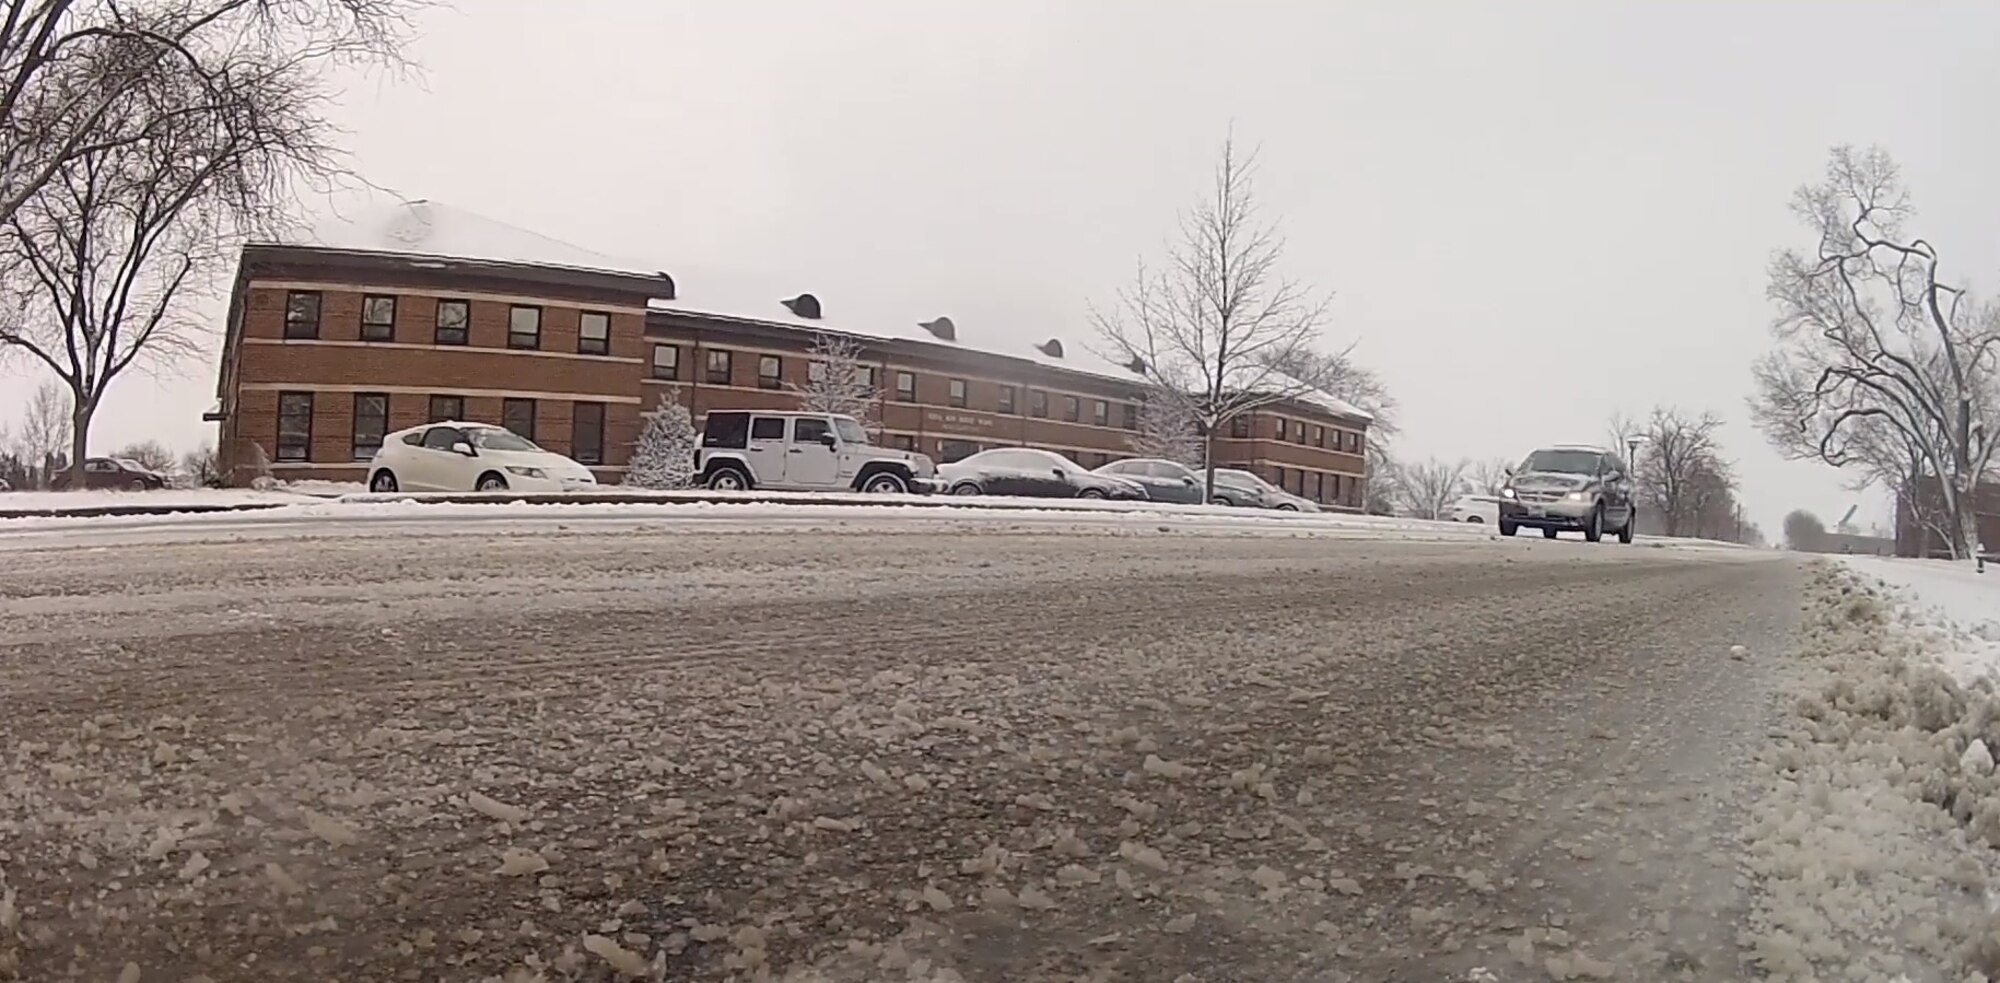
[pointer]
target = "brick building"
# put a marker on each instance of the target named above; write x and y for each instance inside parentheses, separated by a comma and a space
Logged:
(1916, 538)
(431, 313)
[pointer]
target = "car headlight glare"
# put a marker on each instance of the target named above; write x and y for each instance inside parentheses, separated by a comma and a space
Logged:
(1506, 493)
(526, 472)
(1576, 496)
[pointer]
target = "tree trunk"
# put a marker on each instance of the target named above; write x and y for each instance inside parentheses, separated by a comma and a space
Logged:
(79, 439)
(1208, 463)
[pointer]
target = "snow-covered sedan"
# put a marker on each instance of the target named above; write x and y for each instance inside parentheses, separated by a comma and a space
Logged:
(460, 457)
(1031, 472)
(1241, 488)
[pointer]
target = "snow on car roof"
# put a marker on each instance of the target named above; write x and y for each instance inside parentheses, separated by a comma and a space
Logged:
(376, 223)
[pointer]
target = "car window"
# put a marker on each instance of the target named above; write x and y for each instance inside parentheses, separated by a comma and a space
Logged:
(767, 428)
(725, 430)
(100, 466)
(1560, 461)
(496, 439)
(1123, 467)
(808, 429)
(849, 430)
(442, 438)
(1171, 471)
(414, 438)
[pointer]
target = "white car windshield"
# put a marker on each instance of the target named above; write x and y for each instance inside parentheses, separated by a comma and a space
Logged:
(1562, 462)
(850, 431)
(489, 439)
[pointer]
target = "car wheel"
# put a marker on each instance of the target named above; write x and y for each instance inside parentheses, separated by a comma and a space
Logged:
(1594, 532)
(1476, 520)
(1548, 534)
(1508, 528)
(966, 488)
(1219, 500)
(384, 482)
(491, 482)
(885, 483)
(137, 485)
(1090, 493)
(1625, 531)
(1288, 507)
(728, 479)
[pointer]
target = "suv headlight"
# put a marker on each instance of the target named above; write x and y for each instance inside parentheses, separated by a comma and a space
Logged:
(1577, 496)
(526, 472)
(1507, 492)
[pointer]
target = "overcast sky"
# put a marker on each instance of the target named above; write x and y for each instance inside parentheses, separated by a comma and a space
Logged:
(1531, 214)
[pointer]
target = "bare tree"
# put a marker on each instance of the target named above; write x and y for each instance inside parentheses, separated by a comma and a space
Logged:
(68, 68)
(148, 453)
(104, 257)
(837, 381)
(44, 437)
(1682, 477)
(1210, 327)
(1340, 376)
(1167, 429)
(1379, 480)
(1879, 361)
(1621, 431)
(203, 467)
(1488, 475)
(1426, 488)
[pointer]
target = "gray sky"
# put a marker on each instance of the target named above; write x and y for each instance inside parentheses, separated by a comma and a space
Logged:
(1480, 184)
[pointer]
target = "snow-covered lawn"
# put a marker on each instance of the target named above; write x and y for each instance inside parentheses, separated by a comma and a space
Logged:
(164, 498)
(1956, 608)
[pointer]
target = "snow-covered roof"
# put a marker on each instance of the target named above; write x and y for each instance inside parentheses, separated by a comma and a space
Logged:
(425, 227)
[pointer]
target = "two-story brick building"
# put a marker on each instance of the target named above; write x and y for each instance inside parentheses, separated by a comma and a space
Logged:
(433, 313)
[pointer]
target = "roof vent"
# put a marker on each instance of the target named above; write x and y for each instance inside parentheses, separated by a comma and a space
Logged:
(1052, 348)
(805, 306)
(941, 329)
(1137, 366)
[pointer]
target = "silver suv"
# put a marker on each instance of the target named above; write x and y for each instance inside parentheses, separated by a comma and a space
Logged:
(744, 449)
(1570, 487)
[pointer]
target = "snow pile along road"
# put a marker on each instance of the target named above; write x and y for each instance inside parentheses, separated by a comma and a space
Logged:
(1873, 846)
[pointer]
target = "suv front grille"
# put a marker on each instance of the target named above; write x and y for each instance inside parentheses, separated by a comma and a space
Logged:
(1539, 497)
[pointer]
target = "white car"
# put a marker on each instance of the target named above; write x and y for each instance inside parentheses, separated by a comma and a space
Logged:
(459, 457)
(1474, 508)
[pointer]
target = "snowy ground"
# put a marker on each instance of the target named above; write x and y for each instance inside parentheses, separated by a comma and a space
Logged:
(514, 750)
(163, 498)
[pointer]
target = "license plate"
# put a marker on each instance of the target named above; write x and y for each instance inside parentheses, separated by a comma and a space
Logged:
(1538, 510)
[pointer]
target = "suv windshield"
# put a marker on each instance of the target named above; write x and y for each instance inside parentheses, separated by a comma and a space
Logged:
(500, 440)
(1562, 462)
(850, 431)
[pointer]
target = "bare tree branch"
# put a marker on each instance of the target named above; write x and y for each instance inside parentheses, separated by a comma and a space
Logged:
(837, 381)
(1426, 488)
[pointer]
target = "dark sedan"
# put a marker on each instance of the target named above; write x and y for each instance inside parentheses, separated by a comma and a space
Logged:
(1165, 481)
(1033, 473)
(113, 472)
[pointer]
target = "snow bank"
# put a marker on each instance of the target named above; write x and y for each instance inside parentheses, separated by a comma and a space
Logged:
(1872, 845)
(1954, 607)
(165, 498)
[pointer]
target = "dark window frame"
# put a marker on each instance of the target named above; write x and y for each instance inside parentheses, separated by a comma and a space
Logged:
(957, 392)
(508, 405)
(714, 376)
(299, 328)
(463, 331)
(1038, 403)
(1128, 416)
(1072, 409)
(457, 416)
(514, 335)
(303, 449)
(591, 453)
(1100, 412)
(586, 345)
(378, 330)
(1239, 427)
(381, 432)
(673, 372)
(1006, 403)
(775, 379)
(906, 395)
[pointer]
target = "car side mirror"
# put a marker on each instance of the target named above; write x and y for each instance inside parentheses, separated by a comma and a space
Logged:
(1508, 471)
(464, 448)
(1058, 472)
(828, 439)
(1185, 480)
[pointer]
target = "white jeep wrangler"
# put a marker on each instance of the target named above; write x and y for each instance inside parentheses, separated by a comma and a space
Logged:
(744, 449)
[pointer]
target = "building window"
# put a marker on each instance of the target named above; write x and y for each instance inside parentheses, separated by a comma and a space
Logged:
(666, 362)
(770, 372)
(718, 367)
(371, 421)
(1299, 431)
(1128, 416)
(1279, 427)
(1319, 436)
(295, 426)
(1354, 442)
(586, 437)
(1072, 409)
(955, 392)
(1038, 403)
(1319, 486)
(302, 314)
(454, 321)
(1007, 399)
(906, 387)
(518, 415)
(1336, 488)
(1239, 427)
(378, 318)
(903, 441)
(593, 333)
(868, 377)
(445, 408)
(524, 327)
(1100, 413)
(952, 451)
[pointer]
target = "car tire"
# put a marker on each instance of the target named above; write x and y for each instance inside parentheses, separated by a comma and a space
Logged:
(137, 485)
(383, 482)
(1475, 520)
(1594, 532)
(967, 488)
(1625, 531)
(885, 483)
(1090, 493)
(1508, 528)
(1219, 500)
(1548, 533)
(491, 481)
(728, 477)
(1287, 507)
